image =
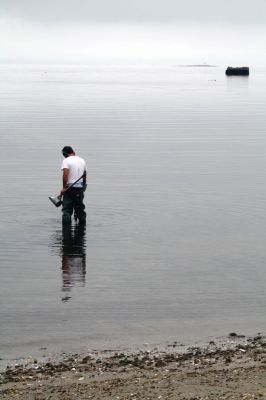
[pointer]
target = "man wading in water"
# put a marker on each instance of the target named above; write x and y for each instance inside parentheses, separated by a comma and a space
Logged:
(73, 168)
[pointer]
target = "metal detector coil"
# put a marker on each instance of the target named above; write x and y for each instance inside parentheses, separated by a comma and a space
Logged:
(57, 201)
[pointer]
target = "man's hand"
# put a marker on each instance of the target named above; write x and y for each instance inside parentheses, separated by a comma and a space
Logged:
(62, 191)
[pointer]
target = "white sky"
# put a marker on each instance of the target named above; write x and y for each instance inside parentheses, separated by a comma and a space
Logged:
(136, 31)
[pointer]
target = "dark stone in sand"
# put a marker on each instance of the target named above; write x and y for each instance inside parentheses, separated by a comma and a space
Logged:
(86, 359)
(235, 335)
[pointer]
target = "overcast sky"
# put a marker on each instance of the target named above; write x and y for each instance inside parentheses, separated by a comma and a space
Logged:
(145, 31)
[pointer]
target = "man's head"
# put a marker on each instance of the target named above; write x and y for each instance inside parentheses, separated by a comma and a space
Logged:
(67, 150)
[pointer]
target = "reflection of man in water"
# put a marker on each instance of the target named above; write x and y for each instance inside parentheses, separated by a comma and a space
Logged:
(73, 257)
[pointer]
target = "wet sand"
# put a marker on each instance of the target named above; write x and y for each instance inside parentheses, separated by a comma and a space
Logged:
(233, 368)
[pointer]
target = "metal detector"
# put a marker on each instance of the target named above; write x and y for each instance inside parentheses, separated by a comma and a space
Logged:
(57, 200)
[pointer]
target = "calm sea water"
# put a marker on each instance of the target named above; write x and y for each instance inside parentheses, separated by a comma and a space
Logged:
(174, 247)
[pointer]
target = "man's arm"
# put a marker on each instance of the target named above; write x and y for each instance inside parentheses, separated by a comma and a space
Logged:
(85, 181)
(85, 178)
(64, 179)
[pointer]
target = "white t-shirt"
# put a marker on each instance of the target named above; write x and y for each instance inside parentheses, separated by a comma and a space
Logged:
(76, 167)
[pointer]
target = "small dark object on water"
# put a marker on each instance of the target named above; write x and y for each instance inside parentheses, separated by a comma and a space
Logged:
(237, 71)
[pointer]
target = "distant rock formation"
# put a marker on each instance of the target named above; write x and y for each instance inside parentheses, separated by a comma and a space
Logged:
(237, 71)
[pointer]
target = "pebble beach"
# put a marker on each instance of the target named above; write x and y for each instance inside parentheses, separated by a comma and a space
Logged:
(231, 368)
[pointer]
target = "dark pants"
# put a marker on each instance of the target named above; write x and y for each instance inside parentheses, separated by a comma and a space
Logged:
(73, 200)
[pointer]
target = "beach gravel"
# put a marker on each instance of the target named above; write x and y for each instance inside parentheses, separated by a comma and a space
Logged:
(230, 369)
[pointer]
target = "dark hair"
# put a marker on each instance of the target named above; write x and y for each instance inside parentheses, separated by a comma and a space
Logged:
(67, 150)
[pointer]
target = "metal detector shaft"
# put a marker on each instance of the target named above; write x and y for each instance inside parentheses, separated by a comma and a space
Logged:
(72, 184)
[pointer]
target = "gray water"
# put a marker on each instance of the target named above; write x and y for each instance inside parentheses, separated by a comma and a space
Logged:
(174, 247)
